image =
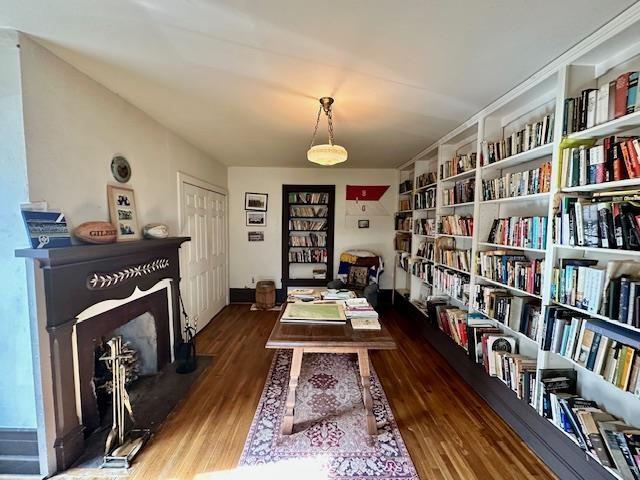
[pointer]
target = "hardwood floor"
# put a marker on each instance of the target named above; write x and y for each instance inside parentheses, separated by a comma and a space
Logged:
(449, 431)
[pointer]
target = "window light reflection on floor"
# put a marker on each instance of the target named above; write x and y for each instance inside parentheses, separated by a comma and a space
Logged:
(309, 468)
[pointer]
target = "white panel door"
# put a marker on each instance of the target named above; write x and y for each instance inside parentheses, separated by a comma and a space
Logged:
(205, 268)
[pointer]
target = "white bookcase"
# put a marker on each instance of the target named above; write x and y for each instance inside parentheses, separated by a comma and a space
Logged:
(600, 58)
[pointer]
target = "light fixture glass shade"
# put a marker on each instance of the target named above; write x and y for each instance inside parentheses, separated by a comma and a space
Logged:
(327, 154)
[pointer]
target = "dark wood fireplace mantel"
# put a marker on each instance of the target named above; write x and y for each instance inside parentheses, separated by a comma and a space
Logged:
(76, 278)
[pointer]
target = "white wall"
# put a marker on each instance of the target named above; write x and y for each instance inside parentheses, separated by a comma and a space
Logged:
(263, 260)
(17, 409)
(74, 126)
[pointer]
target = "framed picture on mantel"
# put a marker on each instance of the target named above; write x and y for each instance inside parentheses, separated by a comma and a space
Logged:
(122, 210)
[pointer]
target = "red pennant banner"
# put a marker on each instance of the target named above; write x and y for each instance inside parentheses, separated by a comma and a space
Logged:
(364, 193)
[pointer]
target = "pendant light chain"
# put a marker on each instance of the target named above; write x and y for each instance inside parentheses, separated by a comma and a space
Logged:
(329, 115)
(330, 120)
(315, 131)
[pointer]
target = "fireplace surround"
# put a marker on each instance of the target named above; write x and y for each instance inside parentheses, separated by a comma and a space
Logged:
(88, 291)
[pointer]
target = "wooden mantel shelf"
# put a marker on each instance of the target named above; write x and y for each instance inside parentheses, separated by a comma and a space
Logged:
(84, 253)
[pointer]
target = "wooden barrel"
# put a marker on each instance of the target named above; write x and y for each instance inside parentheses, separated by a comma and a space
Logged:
(266, 294)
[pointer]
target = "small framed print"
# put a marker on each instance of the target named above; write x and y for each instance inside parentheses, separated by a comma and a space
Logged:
(363, 223)
(256, 219)
(256, 236)
(256, 201)
(122, 210)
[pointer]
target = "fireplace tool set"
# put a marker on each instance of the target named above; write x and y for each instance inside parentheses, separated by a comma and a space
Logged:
(121, 446)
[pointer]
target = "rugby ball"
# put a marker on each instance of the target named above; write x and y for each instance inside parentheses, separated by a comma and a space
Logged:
(155, 230)
(96, 232)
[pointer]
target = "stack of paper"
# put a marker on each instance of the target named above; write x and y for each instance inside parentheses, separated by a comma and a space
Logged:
(333, 294)
(362, 315)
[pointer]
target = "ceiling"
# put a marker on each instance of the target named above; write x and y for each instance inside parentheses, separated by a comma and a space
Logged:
(240, 79)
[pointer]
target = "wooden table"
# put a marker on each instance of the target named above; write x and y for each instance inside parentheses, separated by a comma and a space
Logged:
(310, 338)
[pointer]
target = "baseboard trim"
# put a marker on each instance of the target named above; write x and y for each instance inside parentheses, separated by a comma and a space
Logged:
(552, 446)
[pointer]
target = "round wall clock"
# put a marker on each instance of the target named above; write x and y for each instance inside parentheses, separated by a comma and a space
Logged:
(120, 169)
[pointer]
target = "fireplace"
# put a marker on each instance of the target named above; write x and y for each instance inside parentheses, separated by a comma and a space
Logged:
(92, 292)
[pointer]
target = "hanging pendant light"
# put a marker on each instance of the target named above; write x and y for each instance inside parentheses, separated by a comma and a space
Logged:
(326, 154)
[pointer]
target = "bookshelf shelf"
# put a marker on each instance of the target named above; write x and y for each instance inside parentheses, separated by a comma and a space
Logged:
(524, 249)
(521, 198)
(462, 237)
(430, 209)
(520, 158)
(455, 205)
(598, 316)
(403, 231)
(507, 287)
(464, 272)
(612, 127)
(404, 211)
(459, 176)
(426, 187)
(603, 251)
(518, 334)
(617, 184)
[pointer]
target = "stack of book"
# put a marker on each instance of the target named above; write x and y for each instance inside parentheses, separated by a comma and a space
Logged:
(404, 204)
(423, 270)
(605, 221)
(521, 314)
(406, 186)
(454, 284)
(531, 136)
(527, 232)
(517, 184)
(319, 273)
(453, 322)
(310, 240)
(461, 192)
(579, 283)
(402, 242)
(456, 225)
(425, 226)
(595, 106)
(454, 258)
(314, 225)
(425, 179)
(608, 351)
(404, 223)
(459, 164)
(318, 212)
(518, 372)
(426, 250)
(622, 302)
(361, 314)
(588, 164)
(308, 198)
(425, 199)
(512, 269)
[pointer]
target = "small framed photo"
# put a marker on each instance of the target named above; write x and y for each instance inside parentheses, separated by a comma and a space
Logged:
(256, 219)
(363, 223)
(122, 210)
(256, 236)
(256, 201)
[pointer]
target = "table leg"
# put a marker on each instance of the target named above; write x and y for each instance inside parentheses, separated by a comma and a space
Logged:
(365, 375)
(296, 363)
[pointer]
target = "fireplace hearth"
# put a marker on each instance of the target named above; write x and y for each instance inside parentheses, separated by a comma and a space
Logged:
(90, 292)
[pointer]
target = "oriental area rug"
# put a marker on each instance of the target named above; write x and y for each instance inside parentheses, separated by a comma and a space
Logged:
(329, 439)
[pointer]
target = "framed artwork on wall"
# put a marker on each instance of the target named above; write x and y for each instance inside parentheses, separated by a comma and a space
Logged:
(122, 210)
(256, 201)
(256, 219)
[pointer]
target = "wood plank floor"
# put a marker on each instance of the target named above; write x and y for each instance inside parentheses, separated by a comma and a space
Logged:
(449, 431)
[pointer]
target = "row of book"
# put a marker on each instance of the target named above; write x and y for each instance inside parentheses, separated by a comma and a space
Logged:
(595, 345)
(612, 441)
(404, 223)
(531, 136)
(593, 223)
(423, 270)
(521, 314)
(595, 106)
(425, 179)
(405, 186)
(426, 250)
(403, 260)
(311, 255)
(512, 269)
(425, 199)
(589, 164)
(456, 225)
(313, 225)
(310, 240)
(578, 283)
(404, 204)
(309, 198)
(454, 258)
(402, 242)
(517, 184)
(527, 232)
(461, 192)
(424, 226)
(452, 283)
(318, 212)
(458, 164)
(453, 322)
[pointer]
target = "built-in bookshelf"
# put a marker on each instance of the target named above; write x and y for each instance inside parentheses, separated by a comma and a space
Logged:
(307, 234)
(541, 194)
